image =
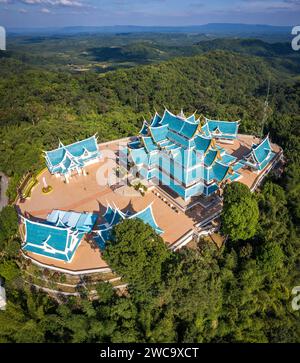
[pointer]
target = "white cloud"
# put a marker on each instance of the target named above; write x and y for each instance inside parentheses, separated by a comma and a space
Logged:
(63, 3)
(45, 11)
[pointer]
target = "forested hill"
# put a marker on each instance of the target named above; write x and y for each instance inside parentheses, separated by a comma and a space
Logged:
(279, 55)
(240, 293)
(38, 106)
(219, 84)
(249, 46)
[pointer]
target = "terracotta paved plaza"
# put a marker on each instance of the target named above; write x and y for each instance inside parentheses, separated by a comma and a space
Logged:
(91, 193)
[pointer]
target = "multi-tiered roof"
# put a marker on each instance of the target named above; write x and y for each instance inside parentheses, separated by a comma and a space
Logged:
(64, 159)
(114, 215)
(59, 235)
(261, 155)
(182, 153)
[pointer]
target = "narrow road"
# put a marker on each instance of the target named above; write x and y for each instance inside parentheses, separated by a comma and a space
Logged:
(3, 187)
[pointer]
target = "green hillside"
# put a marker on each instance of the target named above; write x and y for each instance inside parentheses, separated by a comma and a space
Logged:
(241, 293)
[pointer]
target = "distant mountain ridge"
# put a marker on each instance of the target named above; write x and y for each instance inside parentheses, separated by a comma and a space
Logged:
(216, 28)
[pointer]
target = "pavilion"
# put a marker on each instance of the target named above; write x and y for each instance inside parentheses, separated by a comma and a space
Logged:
(59, 236)
(260, 156)
(65, 160)
(113, 216)
(185, 155)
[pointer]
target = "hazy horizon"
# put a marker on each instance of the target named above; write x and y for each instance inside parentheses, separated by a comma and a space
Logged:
(148, 26)
(66, 13)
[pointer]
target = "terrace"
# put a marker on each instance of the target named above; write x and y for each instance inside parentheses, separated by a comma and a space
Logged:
(92, 193)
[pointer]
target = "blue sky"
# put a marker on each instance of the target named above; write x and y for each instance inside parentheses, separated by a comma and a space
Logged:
(49, 13)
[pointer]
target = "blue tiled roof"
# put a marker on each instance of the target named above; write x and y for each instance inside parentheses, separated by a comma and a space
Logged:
(51, 241)
(219, 171)
(155, 120)
(225, 128)
(109, 214)
(234, 176)
(205, 130)
(267, 160)
(159, 133)
(210, 157)
(188, 129)
(237, 166)
(83, 222)
(104, 234)
(174, 122)
(202, 143)
(66, 158)
(228, 159)
(211, 189)
(113, 215)
(144, 129)
(179, 139)
(135, 144)
(183, 155)
(191, 118)
(139, 156)
(262, 150)
(184, 127)
(261, 155)
(147, 217)
(149, 144)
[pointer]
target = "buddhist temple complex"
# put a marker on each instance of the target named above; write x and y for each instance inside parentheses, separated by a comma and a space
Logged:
(173, 175)
(189, 158)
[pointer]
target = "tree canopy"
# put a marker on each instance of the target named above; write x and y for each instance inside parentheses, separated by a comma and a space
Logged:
(239, 293)
(137, 253)
(240, 212)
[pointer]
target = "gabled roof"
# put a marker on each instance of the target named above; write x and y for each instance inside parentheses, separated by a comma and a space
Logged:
(205, 130)
(113, 216)
(223, 128)
(220, 171)
(228, 159)
(65, 158)
(83, 222)
(51, 241)
(135, 144)
(211, 157)
(159, 133)
(149, 144)
(144, 129)
(192, 118)
(260, 154)
(146, 215)
(139, 156)
(262, 150)
(202, 143)
(155, 120)
(183, 126)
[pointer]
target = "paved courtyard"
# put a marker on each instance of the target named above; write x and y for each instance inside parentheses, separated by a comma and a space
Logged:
(92, 192)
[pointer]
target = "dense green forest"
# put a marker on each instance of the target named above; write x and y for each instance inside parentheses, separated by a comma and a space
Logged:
(240, 293)
(106, 52)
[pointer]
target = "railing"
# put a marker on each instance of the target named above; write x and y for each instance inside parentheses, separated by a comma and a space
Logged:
(183, 240)
(209, 219)
(170, 199)
(267, 170)
(66, 271)
(58, 292)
